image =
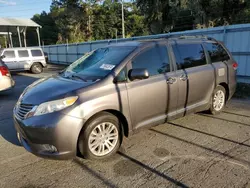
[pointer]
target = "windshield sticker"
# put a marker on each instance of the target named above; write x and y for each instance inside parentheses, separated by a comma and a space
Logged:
(107, 66)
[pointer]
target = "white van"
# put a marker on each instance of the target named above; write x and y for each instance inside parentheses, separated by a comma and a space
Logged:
(31, 58)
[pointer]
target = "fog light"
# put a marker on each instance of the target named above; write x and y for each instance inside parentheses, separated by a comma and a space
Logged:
(19, 137)
(49, 148)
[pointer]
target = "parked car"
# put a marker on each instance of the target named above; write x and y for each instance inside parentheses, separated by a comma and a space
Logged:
(17, 59)
(116, 90)
(6, 82)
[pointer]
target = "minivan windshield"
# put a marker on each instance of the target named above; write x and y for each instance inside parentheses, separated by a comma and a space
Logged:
(97, 64)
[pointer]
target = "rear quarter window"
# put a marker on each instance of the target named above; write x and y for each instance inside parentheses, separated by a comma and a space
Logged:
(36, 53)
(216, 52)
(189, 55)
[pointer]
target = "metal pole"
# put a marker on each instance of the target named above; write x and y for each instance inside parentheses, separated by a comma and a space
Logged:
(116, 35)
(19, 37)
(123, 27)
(24, 36)
(11, 41)
(8, 45)
(5, 41)
(38, 36)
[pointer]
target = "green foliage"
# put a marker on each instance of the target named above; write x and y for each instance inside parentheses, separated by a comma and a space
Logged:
(49, 31)
(2, 41)
(84, 20)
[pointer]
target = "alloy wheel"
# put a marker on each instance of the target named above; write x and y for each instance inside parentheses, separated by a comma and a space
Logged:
(103, 139)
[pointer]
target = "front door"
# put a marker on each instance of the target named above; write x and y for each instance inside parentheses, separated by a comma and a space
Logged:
(10, 59)
(151, 99)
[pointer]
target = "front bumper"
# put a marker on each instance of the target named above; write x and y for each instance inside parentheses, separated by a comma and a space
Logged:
(51, 136)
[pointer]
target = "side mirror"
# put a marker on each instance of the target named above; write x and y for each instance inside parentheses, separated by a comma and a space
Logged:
(138, 74)
(2, 56)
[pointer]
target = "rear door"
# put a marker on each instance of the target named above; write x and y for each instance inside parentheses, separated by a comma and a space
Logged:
(152, 99)
(10, 59)
(24, 59)
(195, 75)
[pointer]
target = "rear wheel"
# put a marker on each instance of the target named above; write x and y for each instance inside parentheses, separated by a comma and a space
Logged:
(36, 68)
(218, 100)
(101, 138)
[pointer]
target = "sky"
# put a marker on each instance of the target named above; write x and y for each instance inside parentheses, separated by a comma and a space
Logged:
(23, 8)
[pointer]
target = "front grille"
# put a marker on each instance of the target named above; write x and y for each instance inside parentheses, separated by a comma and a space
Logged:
(22, 110)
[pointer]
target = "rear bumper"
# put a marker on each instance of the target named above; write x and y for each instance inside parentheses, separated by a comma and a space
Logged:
(6, 83)
(52, 136)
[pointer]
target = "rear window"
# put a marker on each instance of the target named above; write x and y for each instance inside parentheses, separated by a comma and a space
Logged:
(36, 53)
(9, 54)
(189, 55)
(216, 52)
(23, 53)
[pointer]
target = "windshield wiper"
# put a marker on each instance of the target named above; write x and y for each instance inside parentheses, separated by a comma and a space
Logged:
(78, 77)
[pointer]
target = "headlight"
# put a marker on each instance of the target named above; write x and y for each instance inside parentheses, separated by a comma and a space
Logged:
(53, 106)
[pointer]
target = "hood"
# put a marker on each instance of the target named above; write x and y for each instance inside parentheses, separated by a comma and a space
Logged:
(51, 88)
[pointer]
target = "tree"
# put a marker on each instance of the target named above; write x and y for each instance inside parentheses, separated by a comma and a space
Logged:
(84, 20)
(218, 12)
(157, 13)
(2, 42)
(71, 19)
(49, 30)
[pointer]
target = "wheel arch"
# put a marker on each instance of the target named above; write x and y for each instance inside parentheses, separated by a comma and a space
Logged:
(38, 63)
(225, 85)
(116, 113)
(119, 115)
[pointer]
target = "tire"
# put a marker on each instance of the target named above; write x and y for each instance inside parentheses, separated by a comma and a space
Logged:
(36, 68)
(218, 100)
(92, 134)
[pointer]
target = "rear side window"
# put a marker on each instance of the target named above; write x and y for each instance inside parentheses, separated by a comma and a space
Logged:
(23, 53)
(36, 53)
(216, 52)
(154, 59)
(9, 54)
(189, 55)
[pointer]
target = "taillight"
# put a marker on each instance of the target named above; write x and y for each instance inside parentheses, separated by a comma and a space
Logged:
(235, 65)
(4, 71)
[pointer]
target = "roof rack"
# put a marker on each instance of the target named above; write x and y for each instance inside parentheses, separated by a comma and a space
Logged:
(178, 37)
(194, 37)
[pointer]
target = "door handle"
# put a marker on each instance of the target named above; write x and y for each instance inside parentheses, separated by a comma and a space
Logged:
(183, 77)
(171, 80)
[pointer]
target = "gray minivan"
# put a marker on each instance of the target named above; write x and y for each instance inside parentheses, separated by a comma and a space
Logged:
(28, 58)
(115, 90)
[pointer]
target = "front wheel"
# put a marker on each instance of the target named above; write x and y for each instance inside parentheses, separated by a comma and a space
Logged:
(101, 138)
(218, 100)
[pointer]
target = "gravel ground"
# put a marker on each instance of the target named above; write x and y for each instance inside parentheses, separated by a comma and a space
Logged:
(195, 151)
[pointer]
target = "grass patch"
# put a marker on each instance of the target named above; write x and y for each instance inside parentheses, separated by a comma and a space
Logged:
(242, 91)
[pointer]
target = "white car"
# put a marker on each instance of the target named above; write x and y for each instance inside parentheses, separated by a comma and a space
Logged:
(6, 81)
(30, 58)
